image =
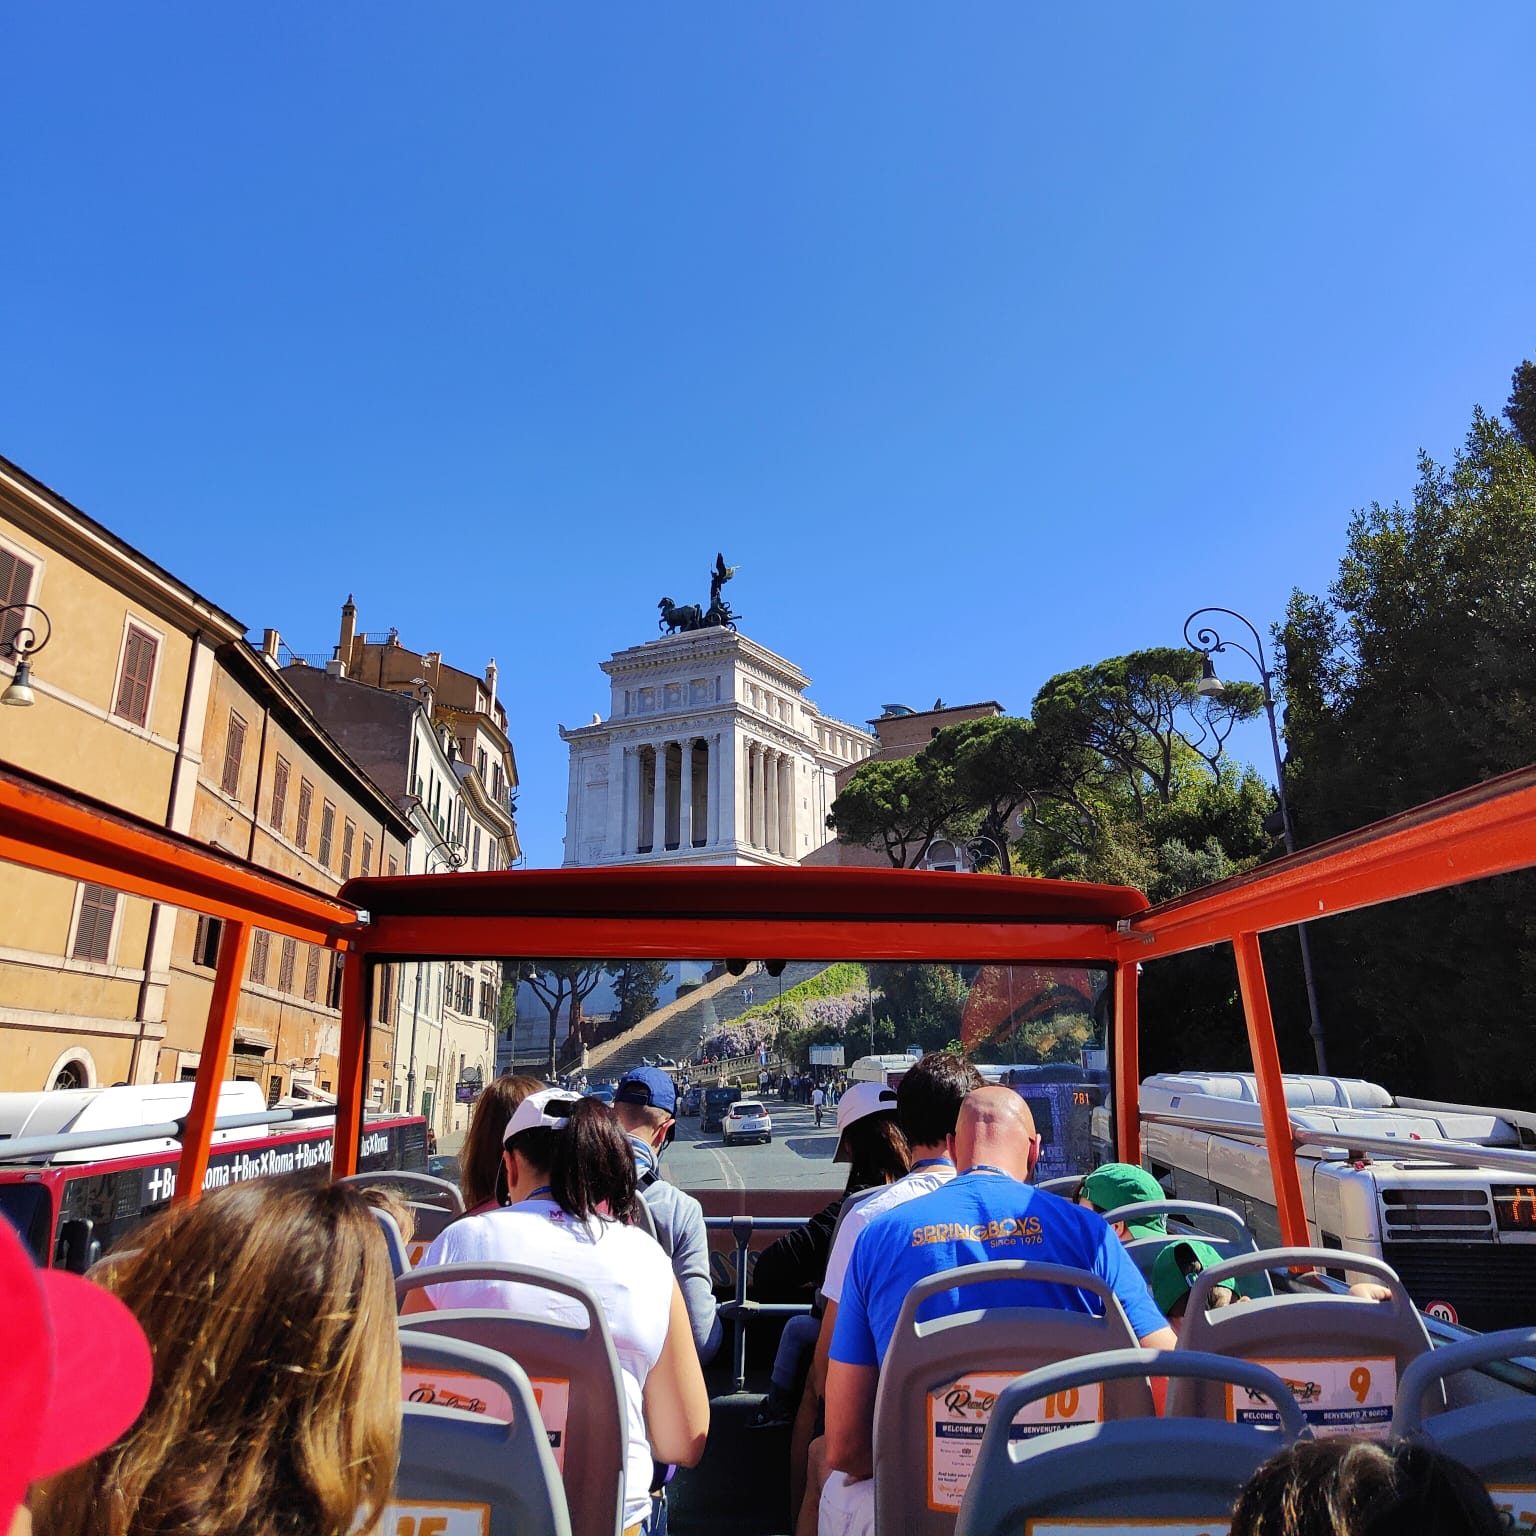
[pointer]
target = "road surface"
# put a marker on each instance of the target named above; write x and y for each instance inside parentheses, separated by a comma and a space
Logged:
(798, 1157)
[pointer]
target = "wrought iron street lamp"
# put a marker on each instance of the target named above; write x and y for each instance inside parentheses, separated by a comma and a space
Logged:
(20, 641)
(1209, 642)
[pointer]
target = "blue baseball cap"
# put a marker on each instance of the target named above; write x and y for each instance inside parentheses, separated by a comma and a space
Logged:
(649, 1086)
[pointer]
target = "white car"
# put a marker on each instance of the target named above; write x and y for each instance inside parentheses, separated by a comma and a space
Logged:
(746, 1120)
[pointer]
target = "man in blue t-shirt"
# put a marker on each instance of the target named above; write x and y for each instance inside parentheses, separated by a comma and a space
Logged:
(987, 1212)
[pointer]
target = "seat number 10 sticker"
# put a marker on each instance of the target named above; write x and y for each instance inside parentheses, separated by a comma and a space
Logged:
(958, 1416)
(1337, 1397)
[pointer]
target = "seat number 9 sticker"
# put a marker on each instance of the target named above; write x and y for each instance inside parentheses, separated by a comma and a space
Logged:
(1337, 1397)
(958, 1416)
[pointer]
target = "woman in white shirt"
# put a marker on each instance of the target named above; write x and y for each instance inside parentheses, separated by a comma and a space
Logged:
(571, 1185)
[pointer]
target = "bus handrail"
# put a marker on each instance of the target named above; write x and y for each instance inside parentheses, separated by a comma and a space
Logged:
(22, 1148)
(1463, 1153)
(739, 1312)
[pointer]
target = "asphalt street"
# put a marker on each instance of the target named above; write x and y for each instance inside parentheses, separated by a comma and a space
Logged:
(798, 1157)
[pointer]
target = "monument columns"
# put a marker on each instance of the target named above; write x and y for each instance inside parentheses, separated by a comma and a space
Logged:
(659, 810)
(613, 830)
(787, 808)
(632, 768)
(771, 762)
(685, 796)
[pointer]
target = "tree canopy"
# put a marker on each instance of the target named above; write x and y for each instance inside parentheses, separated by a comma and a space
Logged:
(1413, 676)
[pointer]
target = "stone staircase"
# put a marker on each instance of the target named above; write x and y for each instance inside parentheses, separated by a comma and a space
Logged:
(676, 1030)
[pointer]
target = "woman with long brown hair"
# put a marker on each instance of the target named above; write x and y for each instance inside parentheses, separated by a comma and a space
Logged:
(275, 1407)
(482, 1177)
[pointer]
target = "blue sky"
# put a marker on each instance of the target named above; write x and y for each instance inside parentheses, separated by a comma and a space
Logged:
(987, 340)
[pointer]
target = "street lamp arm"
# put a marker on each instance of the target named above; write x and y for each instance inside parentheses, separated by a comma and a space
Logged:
(1210, 642)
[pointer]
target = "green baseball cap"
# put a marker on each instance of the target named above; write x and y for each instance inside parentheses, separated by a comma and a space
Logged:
(1177, 1267)
(1112, 1185)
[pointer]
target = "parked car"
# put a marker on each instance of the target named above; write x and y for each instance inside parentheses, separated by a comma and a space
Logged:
(603, 1091)
(692, 1098)
(746, 1120)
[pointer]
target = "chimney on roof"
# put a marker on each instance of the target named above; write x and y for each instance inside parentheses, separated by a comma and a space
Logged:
(348, 632)
(490, 682)
(270, 640)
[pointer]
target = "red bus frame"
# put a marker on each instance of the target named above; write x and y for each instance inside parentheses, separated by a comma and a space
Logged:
(787, 914)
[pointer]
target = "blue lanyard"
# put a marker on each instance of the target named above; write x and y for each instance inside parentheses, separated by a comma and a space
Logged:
(931, 1162)
(988, 1170)
(543, 1189)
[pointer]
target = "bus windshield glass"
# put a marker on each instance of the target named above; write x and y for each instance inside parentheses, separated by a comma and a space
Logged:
(731, 1028)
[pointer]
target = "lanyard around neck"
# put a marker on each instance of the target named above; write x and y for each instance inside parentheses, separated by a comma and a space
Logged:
(990, 1170)
(931, 1162)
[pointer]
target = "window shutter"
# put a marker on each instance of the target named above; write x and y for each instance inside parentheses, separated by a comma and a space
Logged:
(15, 587)
(285, 965)
(306, 801)
(234, 750)
(348, 837)
(312, 974)
(279, 793)
(93, 931)
(327, 832)
(261, 944)
(139, 651)
(367, 854)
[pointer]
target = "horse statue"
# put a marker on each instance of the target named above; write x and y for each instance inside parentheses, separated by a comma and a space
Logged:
(674, 618)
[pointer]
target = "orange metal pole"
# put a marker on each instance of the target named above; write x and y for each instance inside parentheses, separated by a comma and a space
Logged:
(353, 1065)
(1272, 1106)
(218, 1040)
(1127, 1063)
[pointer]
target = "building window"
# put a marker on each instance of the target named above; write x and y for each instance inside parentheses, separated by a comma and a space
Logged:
(71, 1075)
(333, 988)
(367, 854)
(261, 945)
(480, 762)
(279, 793)
(327, 832)
(285, 965)
(348, 837)
(474, 862)
(394, 866)
(139, 651)
(234, 750)
(93, 927)
(382, 977)
(205, 943)
(15, 587)
(312, 974)
(306, 801)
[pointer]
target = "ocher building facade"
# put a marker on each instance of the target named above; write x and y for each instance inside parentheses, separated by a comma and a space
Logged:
(276, 790)
(122, 691)
(149, 699)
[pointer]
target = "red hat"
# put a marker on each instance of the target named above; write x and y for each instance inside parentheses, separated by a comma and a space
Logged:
(75, 1374)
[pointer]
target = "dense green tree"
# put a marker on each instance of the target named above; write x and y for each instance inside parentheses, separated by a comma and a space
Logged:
(897, 807)
(637, 985)
(563, 984)
(1413, 677)
(1521, 407)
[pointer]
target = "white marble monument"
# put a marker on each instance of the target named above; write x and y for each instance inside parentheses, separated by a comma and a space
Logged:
(711, 754)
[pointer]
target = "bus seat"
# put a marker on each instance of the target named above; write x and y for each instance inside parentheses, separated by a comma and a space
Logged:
(575, 1374)
(1067, 1185)
(940, 1377)
(1496, 1436)
(1343, 1355)
(1222, 1228)
(1127, 1474)
(399, 1258)
(433, 1203)
(644, 1218)
(470, 1472)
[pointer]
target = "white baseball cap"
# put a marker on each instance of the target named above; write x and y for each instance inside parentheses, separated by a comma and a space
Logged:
(549, 1107)
(861, 1100)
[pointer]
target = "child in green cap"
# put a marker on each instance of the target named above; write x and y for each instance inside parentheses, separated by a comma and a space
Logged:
(1112, 1185)
(1174, 1272)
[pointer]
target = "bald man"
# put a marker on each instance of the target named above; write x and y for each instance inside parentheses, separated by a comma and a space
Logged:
(986, 1212)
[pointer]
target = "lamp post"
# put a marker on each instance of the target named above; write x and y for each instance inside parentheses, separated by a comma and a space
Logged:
(1209, 643)
(19, 642)
(991, 842)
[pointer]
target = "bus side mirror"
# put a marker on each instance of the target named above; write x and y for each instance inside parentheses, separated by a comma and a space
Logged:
(75, 1250)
